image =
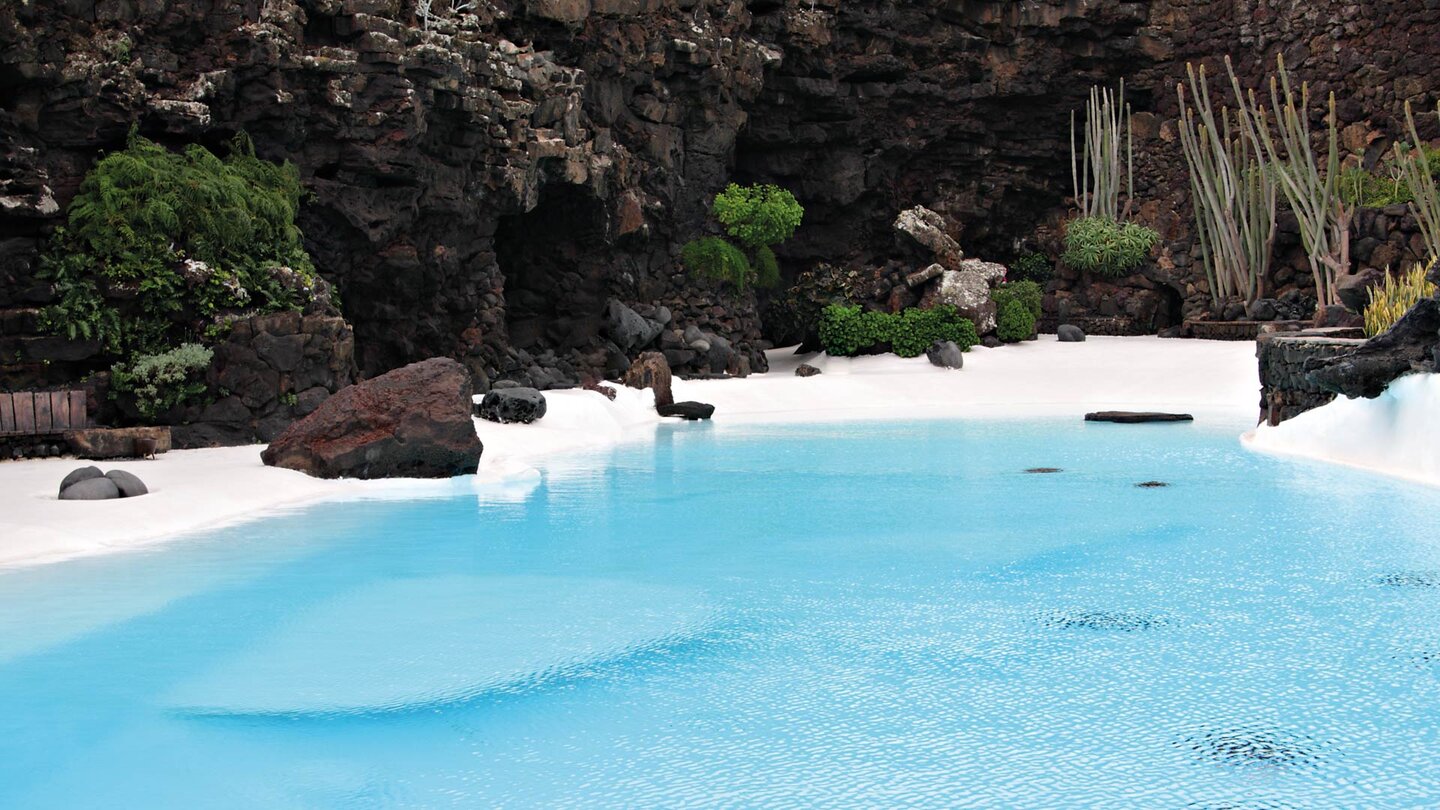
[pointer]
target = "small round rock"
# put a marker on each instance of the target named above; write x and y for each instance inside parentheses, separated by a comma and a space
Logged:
(129, 484)
(79, 474)
(91, 489)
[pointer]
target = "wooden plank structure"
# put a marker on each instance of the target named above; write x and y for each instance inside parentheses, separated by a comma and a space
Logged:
(38, 413)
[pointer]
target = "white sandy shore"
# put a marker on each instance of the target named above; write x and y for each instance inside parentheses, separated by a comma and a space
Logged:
(194, 489)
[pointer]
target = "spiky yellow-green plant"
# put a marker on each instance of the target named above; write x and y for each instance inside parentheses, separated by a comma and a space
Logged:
(1393, 297)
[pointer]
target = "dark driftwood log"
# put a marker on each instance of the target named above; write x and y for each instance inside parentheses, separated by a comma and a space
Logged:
(1135, 417)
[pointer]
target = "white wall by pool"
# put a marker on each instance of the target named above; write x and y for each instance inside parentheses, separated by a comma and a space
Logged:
(1398, 433)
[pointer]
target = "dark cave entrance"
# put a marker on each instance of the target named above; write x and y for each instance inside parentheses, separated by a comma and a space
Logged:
(554, 258)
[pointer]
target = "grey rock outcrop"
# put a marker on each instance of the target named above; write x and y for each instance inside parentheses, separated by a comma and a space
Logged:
(522, 405)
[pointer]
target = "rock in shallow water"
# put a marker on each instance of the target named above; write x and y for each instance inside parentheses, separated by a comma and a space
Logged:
(413, 422)
(523, 405)
(690, 411)
(1137, 417)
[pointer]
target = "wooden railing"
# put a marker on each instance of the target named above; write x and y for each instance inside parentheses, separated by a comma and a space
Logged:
(31, 413)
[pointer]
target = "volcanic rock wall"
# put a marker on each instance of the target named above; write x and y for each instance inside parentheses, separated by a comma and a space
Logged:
(482, 182)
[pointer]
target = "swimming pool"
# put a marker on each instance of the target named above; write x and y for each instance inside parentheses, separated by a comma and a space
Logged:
(834, 615)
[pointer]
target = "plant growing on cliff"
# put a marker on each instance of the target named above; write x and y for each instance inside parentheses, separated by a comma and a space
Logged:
(1420, 166)
(1289, 155)
(1096, 171)
(1393, 297)
(1107, 247)
(758, 217)
(157, 243)
(1233, 197)
(159, 382)
(1031, 267)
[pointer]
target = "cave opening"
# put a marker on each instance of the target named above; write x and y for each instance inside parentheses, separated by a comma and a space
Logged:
(553, 260)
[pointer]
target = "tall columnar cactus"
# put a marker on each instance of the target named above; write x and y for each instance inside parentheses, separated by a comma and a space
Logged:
(1314, 195)
(1096, 172)
(1416, 169)
(1234, 199)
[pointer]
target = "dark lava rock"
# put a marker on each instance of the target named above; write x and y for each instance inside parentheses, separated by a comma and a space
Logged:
(80, 474)
(1152, 484)
(523, 405)
(690, 411)
(945, 354)
(627, 328)
(1336, 315)
(991, 342)
(1409, 346)
(651, 370)
(1043, 470)
(91, 489)
(806, 370)
(1354, 290)
(129, 484)
(413, 422)
(1263, 309)
(1136, 417)
(1069, 333)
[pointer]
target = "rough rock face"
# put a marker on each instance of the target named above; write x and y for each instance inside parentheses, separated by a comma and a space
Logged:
(522, 405)
(967, 288)
(484, 183)
(1411, 345)
(413, 422)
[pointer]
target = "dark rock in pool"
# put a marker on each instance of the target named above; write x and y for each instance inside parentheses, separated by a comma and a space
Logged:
(689, 411)
(1069, 333)
(129, 484)
(523, 405)
(806, 370)
(1152, 484)
(945, 354)
(91, 489)
(79, 474)
(1137, 417)
(413, 422)
(1043, 470)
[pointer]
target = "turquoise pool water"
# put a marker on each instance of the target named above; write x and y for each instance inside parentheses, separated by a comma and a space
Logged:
(838, 616)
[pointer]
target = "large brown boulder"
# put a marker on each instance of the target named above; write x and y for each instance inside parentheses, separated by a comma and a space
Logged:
(413, 422)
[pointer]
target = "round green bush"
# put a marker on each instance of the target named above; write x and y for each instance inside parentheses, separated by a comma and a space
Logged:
(846, 331)
(758, 215)
(1015, 322)
(714, 258)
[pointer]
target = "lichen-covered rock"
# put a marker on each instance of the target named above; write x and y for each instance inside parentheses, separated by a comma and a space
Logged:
(413, 422)
(927, 228)
(969, 292)
(103, 443)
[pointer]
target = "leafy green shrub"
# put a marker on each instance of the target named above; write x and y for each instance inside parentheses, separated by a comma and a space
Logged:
(758, 216)
(714, 258)
(755, 216)
(1393, 297)
(157, 242)
(1028, 293)
(846, 331)
(1107, 247)
(159, 382)
(1015, 321)
(1032, 267)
